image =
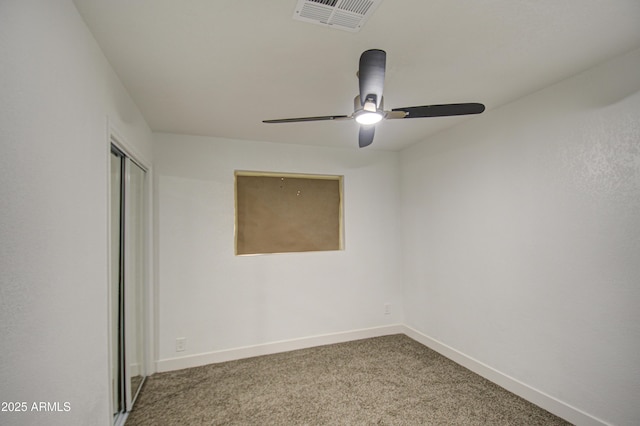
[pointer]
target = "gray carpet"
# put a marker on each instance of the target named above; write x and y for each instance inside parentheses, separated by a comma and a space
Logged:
(391, 380)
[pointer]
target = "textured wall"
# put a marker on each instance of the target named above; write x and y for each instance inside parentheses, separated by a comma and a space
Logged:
(521, 238)
(56, 90)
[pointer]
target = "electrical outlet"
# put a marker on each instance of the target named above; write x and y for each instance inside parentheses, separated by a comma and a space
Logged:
(181, 344)
(387, 308)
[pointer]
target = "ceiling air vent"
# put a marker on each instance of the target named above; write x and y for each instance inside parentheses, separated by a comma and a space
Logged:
(348, 15)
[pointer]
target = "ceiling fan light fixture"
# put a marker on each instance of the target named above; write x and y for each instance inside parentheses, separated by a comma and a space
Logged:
(367, 118)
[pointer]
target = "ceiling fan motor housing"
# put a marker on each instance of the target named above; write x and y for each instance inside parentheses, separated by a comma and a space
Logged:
(368, 104)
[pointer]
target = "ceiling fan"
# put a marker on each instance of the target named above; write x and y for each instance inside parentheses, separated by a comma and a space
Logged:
(369, 104)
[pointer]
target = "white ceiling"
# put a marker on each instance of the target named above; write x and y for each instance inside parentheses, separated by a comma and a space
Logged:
(220, 67)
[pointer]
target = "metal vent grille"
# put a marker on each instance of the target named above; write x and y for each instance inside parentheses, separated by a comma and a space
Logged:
(326, 2)
(348, 15)
(356, 6)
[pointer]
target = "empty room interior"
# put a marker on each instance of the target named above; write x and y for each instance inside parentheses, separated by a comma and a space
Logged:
(499, 229)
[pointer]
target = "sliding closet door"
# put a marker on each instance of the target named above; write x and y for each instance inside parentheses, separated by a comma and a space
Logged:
(135, 279)
(127, 293)
(116, 285)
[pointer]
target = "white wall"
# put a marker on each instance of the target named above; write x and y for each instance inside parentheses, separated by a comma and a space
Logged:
(56, 91)
(220, 301)
(521, 240)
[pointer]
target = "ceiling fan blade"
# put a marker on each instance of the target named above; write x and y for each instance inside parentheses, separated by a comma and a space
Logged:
(371, 75)
(301, 119)
(365, 137)
(441, 110)
(392, 115)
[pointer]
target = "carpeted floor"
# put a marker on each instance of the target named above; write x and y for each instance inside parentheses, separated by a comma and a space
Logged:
(391, 380)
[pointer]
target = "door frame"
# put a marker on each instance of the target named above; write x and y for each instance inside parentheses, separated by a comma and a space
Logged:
(114, 138)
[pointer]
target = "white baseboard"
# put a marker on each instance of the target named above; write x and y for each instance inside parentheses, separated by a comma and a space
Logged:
(541, 399)
(179, 363)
